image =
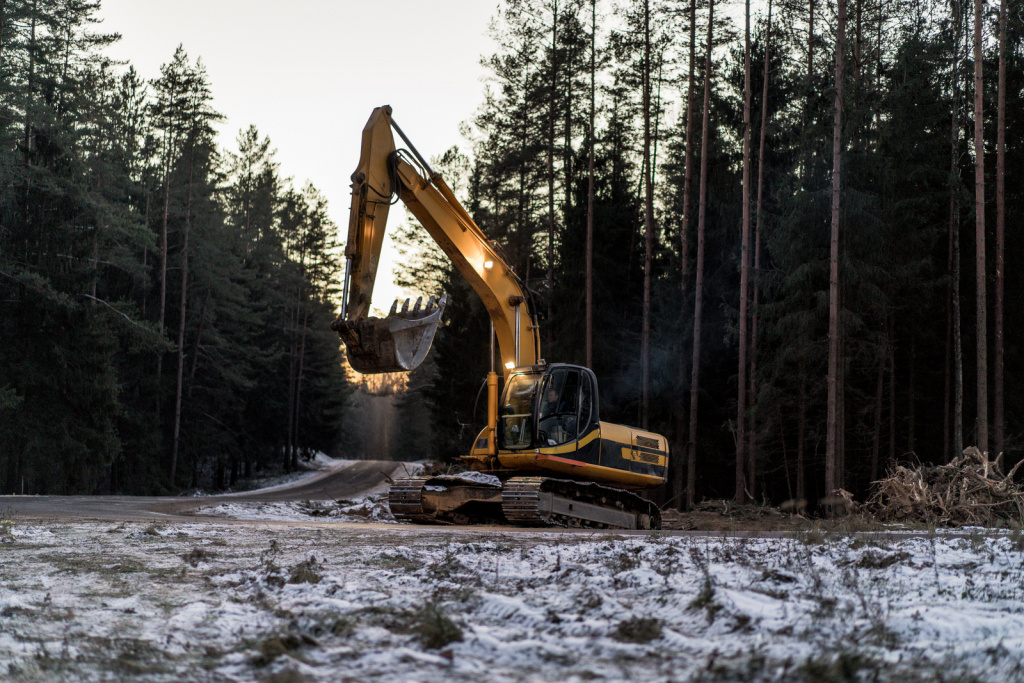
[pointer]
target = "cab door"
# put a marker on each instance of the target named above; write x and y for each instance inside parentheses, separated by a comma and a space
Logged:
(559, 412)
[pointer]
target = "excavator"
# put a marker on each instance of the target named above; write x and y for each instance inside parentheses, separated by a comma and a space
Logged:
(544, 458)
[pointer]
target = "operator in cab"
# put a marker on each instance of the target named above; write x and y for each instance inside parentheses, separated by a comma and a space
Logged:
(557, 417)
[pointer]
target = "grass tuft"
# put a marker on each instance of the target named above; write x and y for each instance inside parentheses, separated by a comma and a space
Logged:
(434, 629)
(196, 555)
(307, 571)
(638, 630)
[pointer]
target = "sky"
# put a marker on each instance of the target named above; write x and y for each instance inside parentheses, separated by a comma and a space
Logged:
(308, 73)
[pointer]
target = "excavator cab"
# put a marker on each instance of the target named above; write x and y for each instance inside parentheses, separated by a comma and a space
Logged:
(547, 407)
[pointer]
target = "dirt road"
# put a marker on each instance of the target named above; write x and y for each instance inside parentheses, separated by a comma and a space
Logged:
(344, 480)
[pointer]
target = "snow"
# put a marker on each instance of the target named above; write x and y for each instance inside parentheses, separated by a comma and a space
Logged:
(372, 506)
(470, 478)
(211, 601)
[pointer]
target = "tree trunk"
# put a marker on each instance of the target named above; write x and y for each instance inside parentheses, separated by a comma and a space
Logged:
(169, 141)
(645, 335)
(3, 29)
(691, 456)
(801, 433)
(684, 232)
(752, 429)
(810, 45)
(892, 393)
(551, 162)
(181, 324)
(954, 249)
(911, 391)
(590, 188)
(292, 351)
(981, 321)
(997, 379)
(857, 44)
(741, 381)
(833, 475)
(30, 86)
(298, 389)
(877, 437)
(198, 344)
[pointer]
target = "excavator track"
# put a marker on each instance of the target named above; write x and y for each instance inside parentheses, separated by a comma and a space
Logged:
(526, 501)
(445, 500)
(560, 502)
(405, 498)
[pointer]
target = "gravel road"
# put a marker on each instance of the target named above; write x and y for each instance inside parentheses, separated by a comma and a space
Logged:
(344, 480)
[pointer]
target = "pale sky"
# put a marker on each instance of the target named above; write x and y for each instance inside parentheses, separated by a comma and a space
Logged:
(308, 73)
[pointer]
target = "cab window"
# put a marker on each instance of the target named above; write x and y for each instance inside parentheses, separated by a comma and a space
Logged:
(586, 402)
(559, 407)
(517, 412)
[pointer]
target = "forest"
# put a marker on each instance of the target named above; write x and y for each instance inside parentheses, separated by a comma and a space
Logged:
(777, 233)
(164, 301)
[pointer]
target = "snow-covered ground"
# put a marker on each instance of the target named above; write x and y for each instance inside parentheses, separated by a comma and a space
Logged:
(370, 507)
(361, 602)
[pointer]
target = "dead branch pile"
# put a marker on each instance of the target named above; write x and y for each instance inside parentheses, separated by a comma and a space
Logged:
(969, 491)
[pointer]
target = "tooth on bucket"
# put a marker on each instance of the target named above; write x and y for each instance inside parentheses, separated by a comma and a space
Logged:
(416, 308)
(397, 343)
(394, 307)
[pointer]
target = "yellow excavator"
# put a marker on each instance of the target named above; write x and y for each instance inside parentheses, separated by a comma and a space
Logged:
(545, 457)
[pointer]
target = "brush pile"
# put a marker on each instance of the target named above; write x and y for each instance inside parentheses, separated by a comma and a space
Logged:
(969, 491)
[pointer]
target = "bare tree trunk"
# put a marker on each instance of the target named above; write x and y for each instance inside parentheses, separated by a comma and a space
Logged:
(810, 45)
(857, 44)
(979, 225)
(567, 137)
(298, 390)
(198, 345)
(645, 335)
(954, 246)
(30, 84)
(833, 476)
(741, 380)
(877, 437)
(752, 444)
(1000, 233)
(551, 160)
(169, 142)
(590, 187)
(292, 351)
(684, 232)
(801, 434)
(892, 393)
(684, 242)
(3, 29)
(911, 391)
(181, 324)
(691, 461)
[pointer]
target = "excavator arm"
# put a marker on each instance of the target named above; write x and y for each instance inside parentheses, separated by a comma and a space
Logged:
(401, 340)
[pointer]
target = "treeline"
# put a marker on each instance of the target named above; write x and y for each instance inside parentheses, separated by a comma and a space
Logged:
(788, 292)
(164, 303)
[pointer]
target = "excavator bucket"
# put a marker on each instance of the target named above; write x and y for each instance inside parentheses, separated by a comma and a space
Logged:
(396, 343)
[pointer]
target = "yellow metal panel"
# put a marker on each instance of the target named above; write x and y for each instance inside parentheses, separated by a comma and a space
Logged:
(643, 456)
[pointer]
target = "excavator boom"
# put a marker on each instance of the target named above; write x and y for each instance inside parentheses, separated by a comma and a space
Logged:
(401, 340)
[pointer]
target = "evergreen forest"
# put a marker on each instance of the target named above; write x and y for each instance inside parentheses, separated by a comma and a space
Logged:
(777, 232)
(165, 301)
